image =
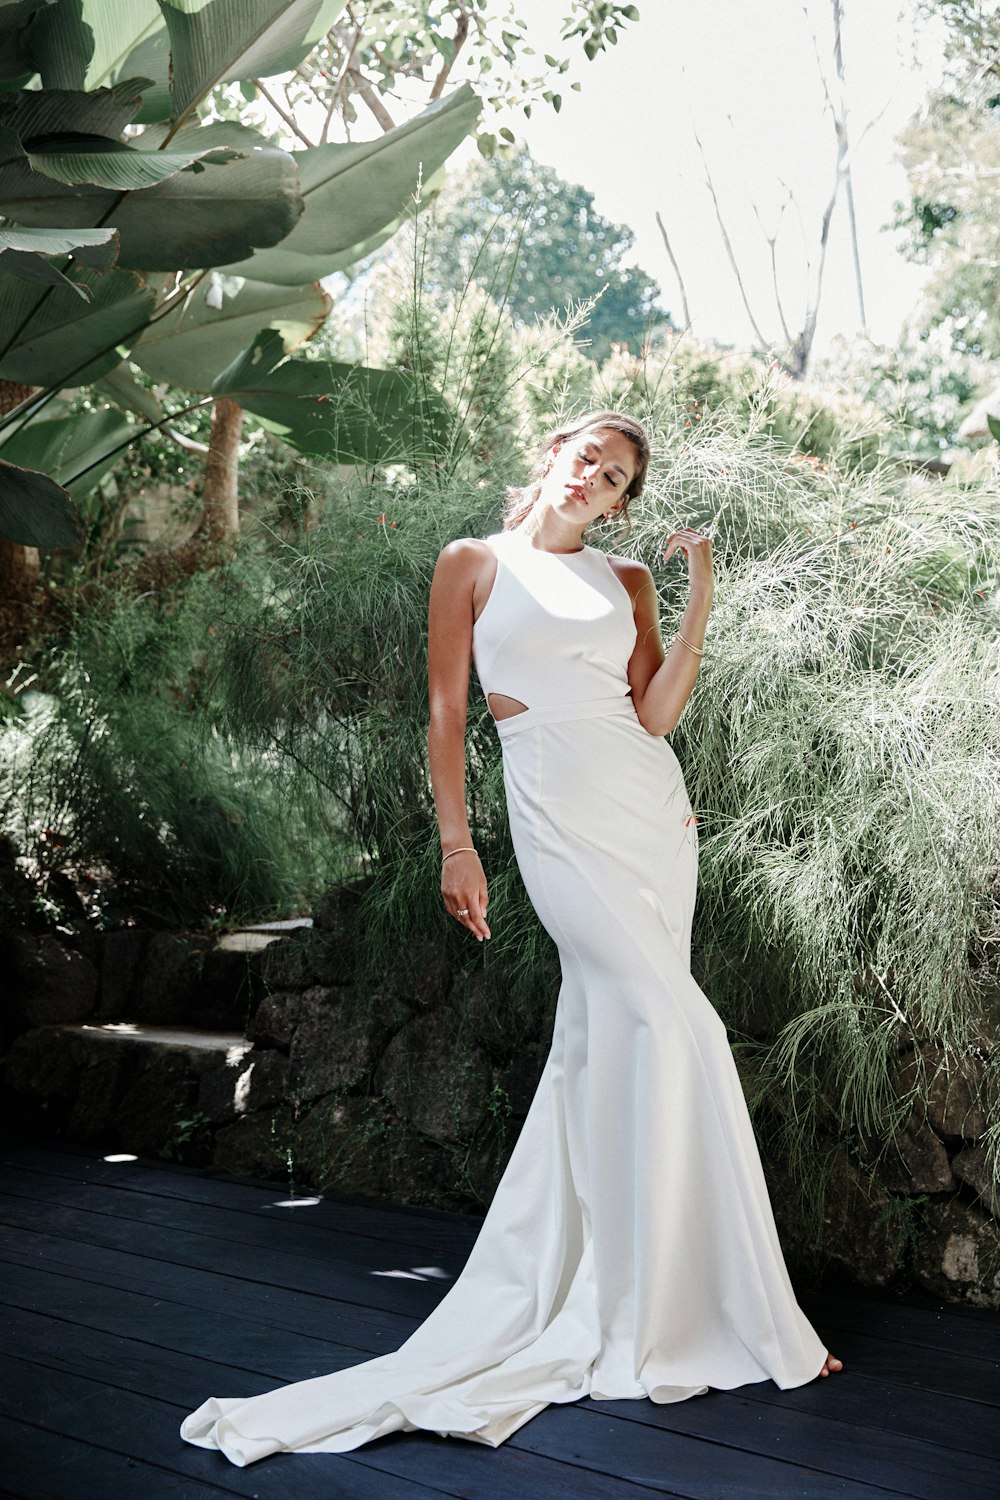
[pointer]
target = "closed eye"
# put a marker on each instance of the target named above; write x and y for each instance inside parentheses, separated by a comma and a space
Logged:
(587, 457)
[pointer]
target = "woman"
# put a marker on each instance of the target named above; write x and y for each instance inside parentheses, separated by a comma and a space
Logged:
(629, 1249)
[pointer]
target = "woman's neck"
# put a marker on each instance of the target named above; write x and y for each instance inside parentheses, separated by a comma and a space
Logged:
(547, 532)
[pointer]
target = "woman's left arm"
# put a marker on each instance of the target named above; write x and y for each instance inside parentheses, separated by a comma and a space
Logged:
(661, 681)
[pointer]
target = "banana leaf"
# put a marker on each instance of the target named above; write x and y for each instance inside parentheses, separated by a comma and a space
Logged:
(339, 412)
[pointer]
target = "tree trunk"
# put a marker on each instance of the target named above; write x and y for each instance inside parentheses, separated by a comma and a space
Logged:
(19, 566)
(19, 569)
(220, 518)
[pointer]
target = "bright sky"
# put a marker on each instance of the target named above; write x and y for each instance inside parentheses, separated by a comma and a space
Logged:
(743, 74)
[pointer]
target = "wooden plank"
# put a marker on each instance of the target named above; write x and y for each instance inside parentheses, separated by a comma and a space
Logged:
(898, 1354)
(109, 1317)
(277, 1229)
(929, 1327)
(911, 1367)
(349, 1212)
(854, 1399)
(298, 1312)
(929, 1472)
(865, 1401)
(41, 1465)
(145, 1429)
(410, 1466)
(262, 1269)
(248, 1341)
(938, 1371)
(913, 1465)
(699, 1469)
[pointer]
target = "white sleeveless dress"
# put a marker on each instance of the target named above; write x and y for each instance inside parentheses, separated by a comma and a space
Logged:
(630, 1248)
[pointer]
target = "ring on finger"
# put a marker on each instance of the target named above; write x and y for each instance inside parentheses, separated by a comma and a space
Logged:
(463, 911)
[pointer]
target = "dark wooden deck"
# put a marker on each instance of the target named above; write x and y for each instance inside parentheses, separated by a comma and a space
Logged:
(132, 1291)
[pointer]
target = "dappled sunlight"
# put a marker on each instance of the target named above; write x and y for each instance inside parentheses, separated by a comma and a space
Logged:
(120, 1156)
(417, 1273)
(241, 1091)
(295, 1203)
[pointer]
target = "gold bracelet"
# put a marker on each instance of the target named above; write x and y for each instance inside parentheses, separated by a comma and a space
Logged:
(698, 650)
(465, 849)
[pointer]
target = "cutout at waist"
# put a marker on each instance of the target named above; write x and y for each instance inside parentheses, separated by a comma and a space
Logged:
(558, 713)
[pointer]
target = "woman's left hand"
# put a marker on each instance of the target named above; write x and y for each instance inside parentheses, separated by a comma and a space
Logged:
(697, 549)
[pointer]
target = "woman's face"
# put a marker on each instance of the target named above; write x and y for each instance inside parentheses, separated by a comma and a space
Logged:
(589, 475)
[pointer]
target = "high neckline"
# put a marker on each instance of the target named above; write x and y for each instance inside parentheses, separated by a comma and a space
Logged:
(546, 551)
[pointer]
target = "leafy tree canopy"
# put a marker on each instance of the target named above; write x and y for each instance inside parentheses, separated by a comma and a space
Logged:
(516, 227)
(951, 151)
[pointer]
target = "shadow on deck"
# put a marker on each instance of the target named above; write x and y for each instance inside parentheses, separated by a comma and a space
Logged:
(133, 1290)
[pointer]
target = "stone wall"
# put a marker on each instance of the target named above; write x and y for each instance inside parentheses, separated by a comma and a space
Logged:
(278, 1064)
(272, 1063)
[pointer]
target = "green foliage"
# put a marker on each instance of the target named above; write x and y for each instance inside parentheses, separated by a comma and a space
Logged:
(487, 43)
(351, 191)
(951, 152)
(922, 386)
(185, 192)
(820, 421)
(34, 509)
(179, 194)
(118, 767)
(513, 221)
(74, 453)
(341, 412)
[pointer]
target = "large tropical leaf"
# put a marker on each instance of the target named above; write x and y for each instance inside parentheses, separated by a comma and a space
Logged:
(34, 510)
(351, 192)
(215, 41)
(106, 111)
(343, 413)
(120, 386)
(81, 160)
(192, 344)
(75, 451)
(196, 218)
(14, 17)
(27, 254)
(94, 247)
(49, 337)
(429, 189)
(83, 44)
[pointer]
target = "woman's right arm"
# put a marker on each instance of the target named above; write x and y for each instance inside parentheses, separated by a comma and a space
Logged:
(449, 657)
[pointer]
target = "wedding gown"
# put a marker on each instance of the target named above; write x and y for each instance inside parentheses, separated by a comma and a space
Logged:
(630, 1248)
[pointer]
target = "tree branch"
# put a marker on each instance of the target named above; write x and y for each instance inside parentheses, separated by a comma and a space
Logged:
(342, 77)
(677, 270)
(461, 34)
(288, 118)
(838, 58)
(762, 341)
(371, 98)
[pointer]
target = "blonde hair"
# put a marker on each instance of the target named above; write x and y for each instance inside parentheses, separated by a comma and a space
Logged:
(521, 498)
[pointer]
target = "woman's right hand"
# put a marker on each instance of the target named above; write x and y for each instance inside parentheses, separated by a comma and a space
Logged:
(463, 886)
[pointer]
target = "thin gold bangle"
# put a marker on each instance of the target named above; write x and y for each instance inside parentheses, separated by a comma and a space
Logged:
(465, 849)
(698, 650)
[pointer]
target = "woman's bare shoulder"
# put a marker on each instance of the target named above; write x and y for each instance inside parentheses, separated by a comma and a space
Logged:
(632, 573)
(467, 546)
(464, 557)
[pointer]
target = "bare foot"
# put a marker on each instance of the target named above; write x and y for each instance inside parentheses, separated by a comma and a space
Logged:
(830, 1364)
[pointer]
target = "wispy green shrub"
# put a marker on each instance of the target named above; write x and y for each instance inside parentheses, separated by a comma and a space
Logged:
(116, 768)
